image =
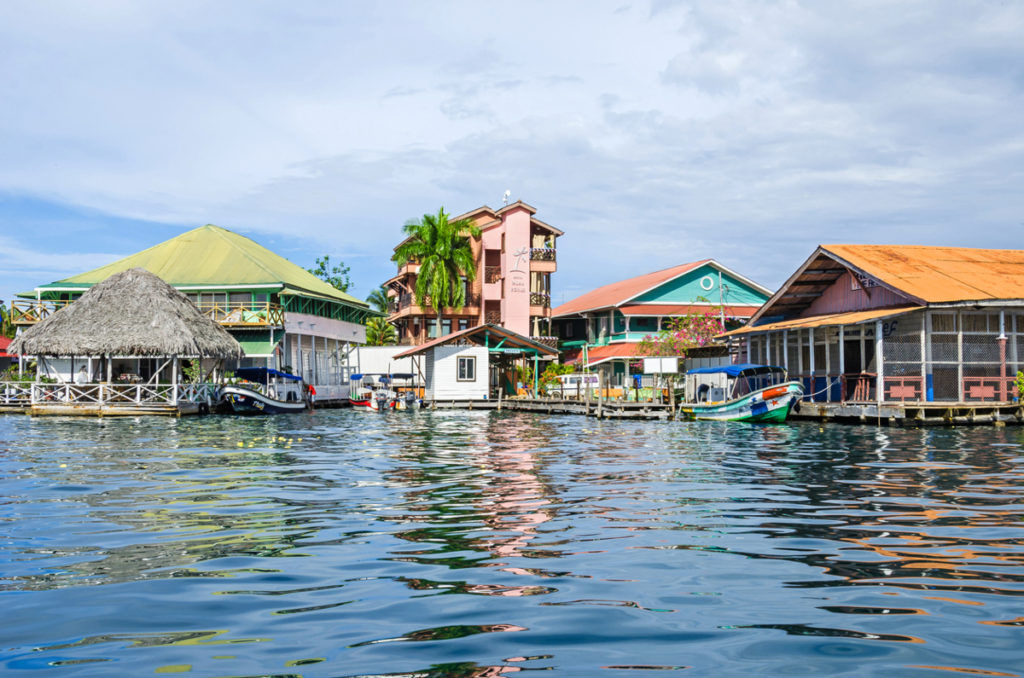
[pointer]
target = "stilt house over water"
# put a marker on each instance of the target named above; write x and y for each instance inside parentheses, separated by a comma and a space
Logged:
(130, 317)
(896, 324)
(283, 316)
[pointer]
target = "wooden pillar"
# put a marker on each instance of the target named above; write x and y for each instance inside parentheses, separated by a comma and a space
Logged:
(959, 357)
(174, 380)
(810, 359)
(925, 357)
(828, 366)
(842, 362)
(880, 363)
(1002, 356)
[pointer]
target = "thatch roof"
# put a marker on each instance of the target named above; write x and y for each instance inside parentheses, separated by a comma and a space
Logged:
(133, 313)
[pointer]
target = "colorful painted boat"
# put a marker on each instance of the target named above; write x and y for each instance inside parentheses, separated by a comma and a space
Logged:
(265, 391)
(745, 392)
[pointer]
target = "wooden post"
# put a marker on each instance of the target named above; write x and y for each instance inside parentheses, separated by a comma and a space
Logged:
(174, 381)
(600, 393)
(879, 364)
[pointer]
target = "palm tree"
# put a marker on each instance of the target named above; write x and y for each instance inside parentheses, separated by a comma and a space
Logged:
(443, 251)
(378, 299)
(380, 332)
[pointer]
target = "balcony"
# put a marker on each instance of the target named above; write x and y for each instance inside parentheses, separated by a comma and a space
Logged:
(550, 342)
(243, 314)
(542, 254)
(404, 302)
(240, 314)
(28, 312)
(540, 299)
(492, 274)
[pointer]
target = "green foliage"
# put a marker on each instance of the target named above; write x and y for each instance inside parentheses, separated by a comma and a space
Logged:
(11, 374)
(192, 372)
(335, 276)
(380, 332)
(549, 377)
(442, 249)
(7, 328)
(378, 299)
(683, 333)
(1019, 383)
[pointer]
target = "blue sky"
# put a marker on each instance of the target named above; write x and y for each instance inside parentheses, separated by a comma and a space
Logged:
(652, 133)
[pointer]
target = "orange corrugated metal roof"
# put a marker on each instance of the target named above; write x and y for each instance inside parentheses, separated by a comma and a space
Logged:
(850, 318)
(731, 310)
(940, 274)
(624, 290)
(601, 353)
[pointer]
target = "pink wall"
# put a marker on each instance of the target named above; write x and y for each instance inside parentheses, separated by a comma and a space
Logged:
(840, 297)
(516, 304)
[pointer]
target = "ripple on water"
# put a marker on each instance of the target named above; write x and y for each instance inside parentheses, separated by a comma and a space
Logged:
(481, 544)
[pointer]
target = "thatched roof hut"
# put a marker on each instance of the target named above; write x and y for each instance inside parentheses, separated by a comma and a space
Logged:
(133, 313)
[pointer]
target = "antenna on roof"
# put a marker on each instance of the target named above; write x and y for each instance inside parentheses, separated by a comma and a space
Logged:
(504, 198)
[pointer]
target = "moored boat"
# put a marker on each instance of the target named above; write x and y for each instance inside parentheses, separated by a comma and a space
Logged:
(264, 391)
(745, 392)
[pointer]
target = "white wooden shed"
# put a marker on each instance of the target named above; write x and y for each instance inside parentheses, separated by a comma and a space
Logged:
(458, 366)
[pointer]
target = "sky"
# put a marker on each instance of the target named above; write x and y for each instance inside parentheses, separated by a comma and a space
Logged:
(651, 133)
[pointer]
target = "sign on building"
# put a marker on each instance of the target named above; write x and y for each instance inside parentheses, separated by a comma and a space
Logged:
(661, 365)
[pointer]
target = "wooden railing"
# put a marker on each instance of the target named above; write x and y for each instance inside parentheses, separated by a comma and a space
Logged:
(492, 274)
(542, 254)
(105, 395)
(243, 314)
(990, 388)
(239, 314)
(29, 312)
(540, 299)
(550, 342)
(903, 389)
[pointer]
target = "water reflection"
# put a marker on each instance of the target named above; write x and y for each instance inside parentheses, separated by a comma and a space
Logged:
(476, 544)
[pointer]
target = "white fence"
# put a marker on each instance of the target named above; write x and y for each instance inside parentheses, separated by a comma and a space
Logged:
(105, 395)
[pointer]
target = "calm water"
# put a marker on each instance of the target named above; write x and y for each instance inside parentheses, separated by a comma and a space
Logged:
(472, 544)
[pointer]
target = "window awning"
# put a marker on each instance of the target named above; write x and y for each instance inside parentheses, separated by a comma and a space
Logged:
(829, 320)
(258, 344)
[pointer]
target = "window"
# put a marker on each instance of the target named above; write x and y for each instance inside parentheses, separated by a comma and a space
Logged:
(463, 323)
(432, 328)
(446, 327)
(467, 368)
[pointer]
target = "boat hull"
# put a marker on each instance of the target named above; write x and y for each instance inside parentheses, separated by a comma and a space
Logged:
(247, 401)
(767, 405)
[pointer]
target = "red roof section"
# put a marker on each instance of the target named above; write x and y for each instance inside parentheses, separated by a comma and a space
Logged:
(4, 343)
(622, 291)
(625, 349)
(731, 310)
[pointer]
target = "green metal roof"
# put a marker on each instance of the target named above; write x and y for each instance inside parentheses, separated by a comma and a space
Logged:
(214, 257)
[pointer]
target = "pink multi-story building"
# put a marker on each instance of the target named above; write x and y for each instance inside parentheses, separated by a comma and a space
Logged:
(515, 257)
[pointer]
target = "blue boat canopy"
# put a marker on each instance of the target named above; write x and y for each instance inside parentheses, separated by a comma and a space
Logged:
(744, 369)
(261, 373)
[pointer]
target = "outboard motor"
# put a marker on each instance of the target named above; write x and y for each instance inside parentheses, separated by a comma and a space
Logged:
(382, 400)
(410, 400)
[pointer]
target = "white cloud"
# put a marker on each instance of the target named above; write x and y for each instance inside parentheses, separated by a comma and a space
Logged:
(745, 131)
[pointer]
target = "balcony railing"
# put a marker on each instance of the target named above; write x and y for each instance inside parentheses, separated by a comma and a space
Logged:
(540, 299)
(492, 317)
(243, 314)
(550, 342)
(492, 274)
(239, 314)
(404, 301)
(542, 254)
(29, 312)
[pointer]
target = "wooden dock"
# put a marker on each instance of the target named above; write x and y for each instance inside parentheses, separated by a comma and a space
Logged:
(604, 409)
(913, 414)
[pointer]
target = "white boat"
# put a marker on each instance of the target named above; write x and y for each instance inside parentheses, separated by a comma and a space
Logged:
(264, 391)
